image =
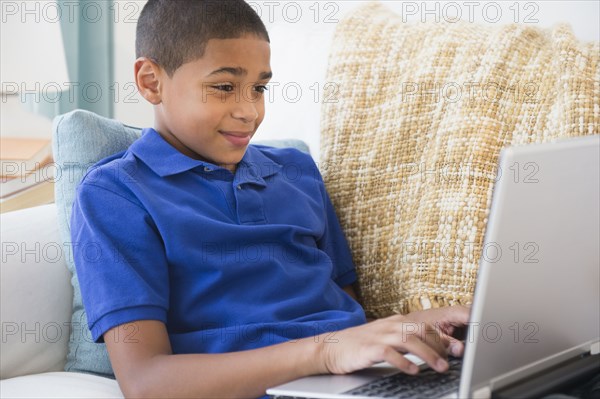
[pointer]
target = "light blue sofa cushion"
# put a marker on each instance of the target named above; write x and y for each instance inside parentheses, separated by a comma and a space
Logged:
(81, 139)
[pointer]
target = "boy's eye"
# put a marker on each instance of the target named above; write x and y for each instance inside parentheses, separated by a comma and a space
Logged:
(261, 89)
(227, 88)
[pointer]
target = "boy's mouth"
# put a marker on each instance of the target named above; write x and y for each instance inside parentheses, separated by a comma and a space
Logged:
(240, 139)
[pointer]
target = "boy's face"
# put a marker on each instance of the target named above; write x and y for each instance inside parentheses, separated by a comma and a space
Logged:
(211, 107)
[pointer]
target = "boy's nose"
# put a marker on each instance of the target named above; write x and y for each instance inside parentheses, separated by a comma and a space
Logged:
(245, 111)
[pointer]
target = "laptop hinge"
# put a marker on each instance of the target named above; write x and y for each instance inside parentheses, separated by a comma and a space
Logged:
(568, 375)
(514, 376)
(482, 393)
(595, 348)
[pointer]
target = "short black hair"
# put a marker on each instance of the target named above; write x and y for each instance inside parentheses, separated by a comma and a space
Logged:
(173, 32)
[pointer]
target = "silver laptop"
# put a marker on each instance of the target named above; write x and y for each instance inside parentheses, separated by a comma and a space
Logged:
(536, 308)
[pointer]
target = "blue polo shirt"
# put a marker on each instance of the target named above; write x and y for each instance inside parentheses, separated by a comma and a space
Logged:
(227, 261)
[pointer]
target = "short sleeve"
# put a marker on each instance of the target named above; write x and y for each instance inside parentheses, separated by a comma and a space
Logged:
(334, 243)
(119, 258)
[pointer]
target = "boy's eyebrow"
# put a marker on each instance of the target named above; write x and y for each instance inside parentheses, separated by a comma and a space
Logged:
(239, 71)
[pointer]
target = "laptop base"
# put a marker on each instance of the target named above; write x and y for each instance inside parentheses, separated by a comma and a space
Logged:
(561, 378)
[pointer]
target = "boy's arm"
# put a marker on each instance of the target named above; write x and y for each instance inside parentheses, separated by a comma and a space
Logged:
(350, 291)
(145, 366)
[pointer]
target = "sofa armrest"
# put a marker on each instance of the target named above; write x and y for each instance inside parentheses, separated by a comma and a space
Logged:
(36, 294)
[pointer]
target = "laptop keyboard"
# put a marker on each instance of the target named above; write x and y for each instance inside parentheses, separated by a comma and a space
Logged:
(428, 383)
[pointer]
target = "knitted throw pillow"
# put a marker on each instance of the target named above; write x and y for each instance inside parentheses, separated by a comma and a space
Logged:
(412, 134)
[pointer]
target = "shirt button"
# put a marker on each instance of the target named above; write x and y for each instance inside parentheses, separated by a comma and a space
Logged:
(239, 187)
(207, 169)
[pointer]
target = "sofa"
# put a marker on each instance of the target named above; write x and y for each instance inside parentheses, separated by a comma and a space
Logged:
(392, 133)
(36, 302)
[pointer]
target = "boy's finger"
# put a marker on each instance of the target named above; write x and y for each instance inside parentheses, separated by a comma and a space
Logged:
(426, 332)
(435, 339)
(396, 359)
(459, 315)
(456, 347)
(428, 354)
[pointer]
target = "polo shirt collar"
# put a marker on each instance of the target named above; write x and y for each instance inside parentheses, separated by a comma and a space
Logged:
(255, 166)
(166, 160)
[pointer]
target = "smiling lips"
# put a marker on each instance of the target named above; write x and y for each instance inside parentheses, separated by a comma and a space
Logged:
(239, 139)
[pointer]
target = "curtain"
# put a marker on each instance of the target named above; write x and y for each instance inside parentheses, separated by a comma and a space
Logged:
(87, 29)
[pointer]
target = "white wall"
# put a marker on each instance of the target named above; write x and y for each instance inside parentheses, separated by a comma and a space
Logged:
(301, 33)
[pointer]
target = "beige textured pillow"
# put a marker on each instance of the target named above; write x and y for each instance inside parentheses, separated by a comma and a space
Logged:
(411, 139)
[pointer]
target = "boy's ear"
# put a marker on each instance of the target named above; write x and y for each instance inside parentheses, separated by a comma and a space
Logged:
(147, 78)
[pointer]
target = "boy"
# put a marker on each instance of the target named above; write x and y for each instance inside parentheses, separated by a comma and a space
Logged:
(217, 274)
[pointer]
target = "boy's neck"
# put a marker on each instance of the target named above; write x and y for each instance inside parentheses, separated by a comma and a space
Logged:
(182, 148)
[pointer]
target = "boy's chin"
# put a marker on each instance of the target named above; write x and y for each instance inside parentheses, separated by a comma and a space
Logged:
(230, 163)
(234, 157)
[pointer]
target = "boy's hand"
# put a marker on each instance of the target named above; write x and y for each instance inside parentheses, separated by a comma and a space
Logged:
(449, 321)
(385, 340)
(426, 334)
